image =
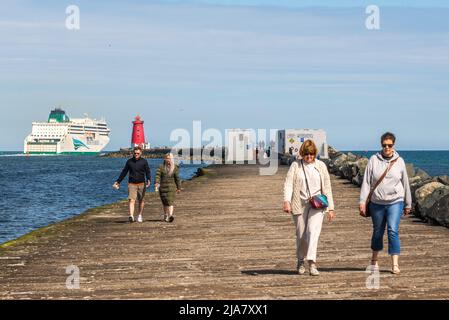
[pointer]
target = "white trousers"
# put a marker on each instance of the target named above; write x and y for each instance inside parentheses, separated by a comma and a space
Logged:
(308, 229)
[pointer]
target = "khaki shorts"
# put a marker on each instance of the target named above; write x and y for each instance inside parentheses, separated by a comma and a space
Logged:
(136, 191)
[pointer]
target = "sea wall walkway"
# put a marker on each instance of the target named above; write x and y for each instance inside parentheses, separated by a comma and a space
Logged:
(230, 240)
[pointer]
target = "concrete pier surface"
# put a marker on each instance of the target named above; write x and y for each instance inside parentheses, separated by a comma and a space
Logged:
(230, 240)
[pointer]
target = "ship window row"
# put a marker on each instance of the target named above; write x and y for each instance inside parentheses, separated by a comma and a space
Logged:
(51, 132)
(95, 128)
(88, 128)
(88, 131)
(88, 125)
(46, 135)
(47, 128)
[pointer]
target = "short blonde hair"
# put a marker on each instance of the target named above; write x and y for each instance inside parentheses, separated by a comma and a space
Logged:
(308, 147)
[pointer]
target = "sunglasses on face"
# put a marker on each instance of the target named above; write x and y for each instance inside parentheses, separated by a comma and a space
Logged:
(387, 145)
(137, 153)
(309, 154)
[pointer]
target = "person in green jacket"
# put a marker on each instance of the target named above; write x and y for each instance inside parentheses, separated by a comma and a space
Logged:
(168, 183)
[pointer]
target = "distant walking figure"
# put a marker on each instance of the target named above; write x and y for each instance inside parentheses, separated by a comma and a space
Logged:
(386, 188)
(168, 182)
(139, 173)
(307, 178)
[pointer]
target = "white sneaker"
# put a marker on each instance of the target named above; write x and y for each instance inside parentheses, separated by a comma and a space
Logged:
(301, 268)
(139, 218)
(313, 270)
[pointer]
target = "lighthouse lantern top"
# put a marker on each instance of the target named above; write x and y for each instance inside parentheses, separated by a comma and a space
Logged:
(137, 120)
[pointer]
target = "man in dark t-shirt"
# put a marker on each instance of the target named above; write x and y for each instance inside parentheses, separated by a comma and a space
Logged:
(139, 180)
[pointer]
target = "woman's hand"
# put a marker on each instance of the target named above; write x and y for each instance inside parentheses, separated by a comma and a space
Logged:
(407, 211)
(362, 209)
(287, 207)
(331, 215)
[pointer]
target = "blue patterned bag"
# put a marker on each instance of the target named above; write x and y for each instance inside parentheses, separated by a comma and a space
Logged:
(320, 200)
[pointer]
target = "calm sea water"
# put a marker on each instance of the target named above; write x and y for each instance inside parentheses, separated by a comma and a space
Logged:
(435, 163)
(36, 191)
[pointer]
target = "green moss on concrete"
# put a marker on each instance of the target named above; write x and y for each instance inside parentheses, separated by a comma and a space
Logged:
(49, 231)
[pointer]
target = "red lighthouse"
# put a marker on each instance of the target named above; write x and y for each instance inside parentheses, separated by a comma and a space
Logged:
(138, 136)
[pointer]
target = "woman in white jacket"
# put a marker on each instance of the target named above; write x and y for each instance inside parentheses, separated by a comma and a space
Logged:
(390, 199)
(308, 221)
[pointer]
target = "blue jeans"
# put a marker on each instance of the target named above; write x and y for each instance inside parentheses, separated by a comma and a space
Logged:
(389, 215)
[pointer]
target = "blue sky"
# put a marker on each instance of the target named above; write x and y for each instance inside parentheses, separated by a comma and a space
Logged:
(251, 64)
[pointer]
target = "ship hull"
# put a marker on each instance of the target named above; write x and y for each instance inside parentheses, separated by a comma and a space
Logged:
(69, 145)
(62, 153)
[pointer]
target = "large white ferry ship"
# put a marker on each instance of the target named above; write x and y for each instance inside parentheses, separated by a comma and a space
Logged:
(62, 135)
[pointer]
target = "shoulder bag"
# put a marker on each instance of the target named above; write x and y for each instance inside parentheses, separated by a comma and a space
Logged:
(320, 200)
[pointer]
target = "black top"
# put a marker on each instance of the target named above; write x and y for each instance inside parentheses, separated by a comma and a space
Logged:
(138, 169)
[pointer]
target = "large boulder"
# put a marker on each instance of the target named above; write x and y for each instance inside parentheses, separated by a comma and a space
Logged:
(340, 160)
(410, 170)
(421, 194)
(442, 179)
(346, 169)
(333, 153)
(358, 179)
(352, 157)
(337, 163)
(415, 184)
(359, 171)
(436, 206)
(422, 174)
(327, 162)
(413, 180)
(346, 166)
(362, 163)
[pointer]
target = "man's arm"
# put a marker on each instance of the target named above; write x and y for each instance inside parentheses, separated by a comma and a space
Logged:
(177, 178)
(123, 173)
(148, 173)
